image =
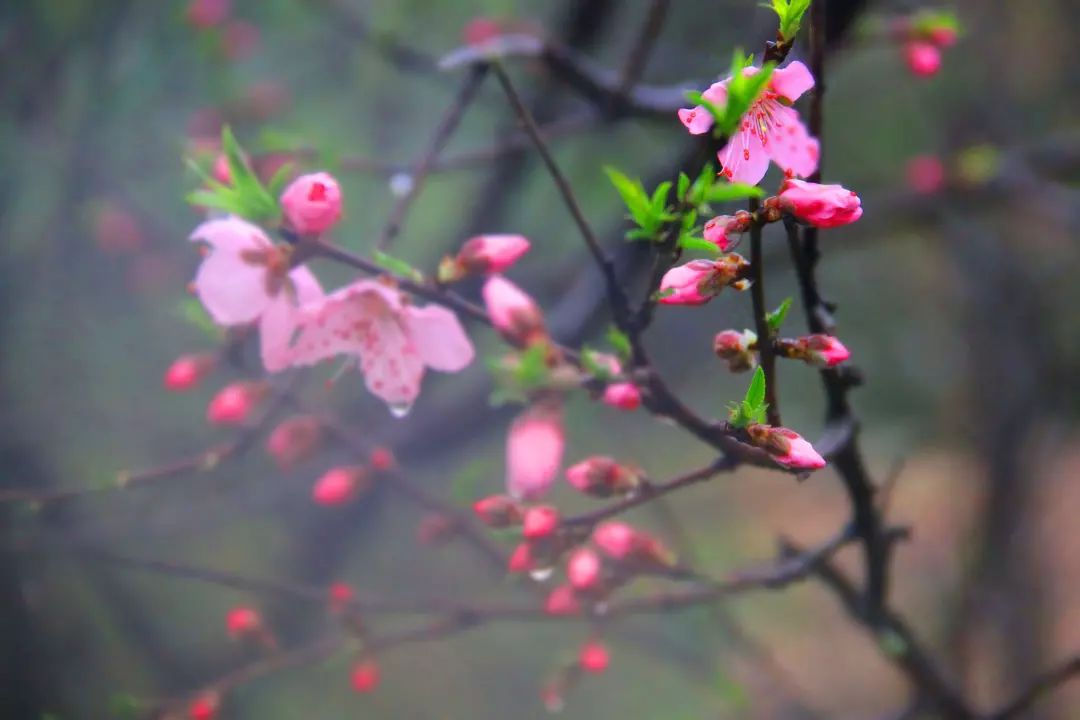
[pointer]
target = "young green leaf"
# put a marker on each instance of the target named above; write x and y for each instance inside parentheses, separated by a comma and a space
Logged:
(791, 14)
(743, 90)
(697, 98)
(726, 191)
(689, 242)
(618, 340)
(755, 393)
(775, 318)
(682, 186)
(632, 193)
(397, 266)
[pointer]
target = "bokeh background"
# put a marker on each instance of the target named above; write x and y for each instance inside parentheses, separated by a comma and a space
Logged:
(958, 305)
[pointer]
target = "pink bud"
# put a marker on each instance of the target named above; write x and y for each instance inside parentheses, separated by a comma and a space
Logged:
(187, 371)
(824, 350)
(925, 174)
(480, 29)
(562, 601)
(382, 459)
(736, 348)
(786, 447)
(602, 476)
(942, 35)
(823, 206)
(539, 522)
(623, 395)
(341, 595)
(534, 450)
(242, 621)
(498, 511)
(521, 560)
(492, 253)
(338, 485)
(583, 569)
(312, 203)
(233, 403)
(593, 657)
(514, 314)
(204, 707)
(716, 231)
(699, 281)
(617, 539)
(222, 171)
(923, 58)
(294, 439)
(365, 676)
(207, 13)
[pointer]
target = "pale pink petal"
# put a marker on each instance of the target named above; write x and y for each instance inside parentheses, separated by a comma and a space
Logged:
(439, 338)
(697, 120)
(743, 159)
(232, 291)
(306, 285)
(232, 235)
(789, 144)
(341, 322)
(391, 365)
(792, 81)
(279, 322)
(534, 451)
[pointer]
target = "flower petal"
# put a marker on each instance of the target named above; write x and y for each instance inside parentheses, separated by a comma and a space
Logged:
(744, 159)
(280, 320)
(439, 338)
(792, 81)
(789, 143)
(231, 234)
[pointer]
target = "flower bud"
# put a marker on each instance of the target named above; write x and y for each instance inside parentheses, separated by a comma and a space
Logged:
(602, 477)
(339, 485)
(294, 440)
(222, 171)
(699, 281)
(716, 231)
(514, 314)
(243, 622)
(824, 351)
(622, 395)
(593, 657)
(786, 447)
(486, 254)
(312, 203)
(583, 569)
(481, 29)
(925, 174)
(204, 707)
(498, 511)
(235, 402)
(622, 542)
(562, 601)
(539, 522)
(737, 348)
(823, 206)
(187, 371)
(534, 450)
(521, 560)
(365, 676)
(922, 58)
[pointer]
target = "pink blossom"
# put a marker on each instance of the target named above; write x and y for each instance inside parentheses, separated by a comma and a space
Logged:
(716, 231)
(312, 203)
(823, 206)
(514, 314)
(925, 174)
(498, 511)
(245, 277)
(394, 340)
(293, 440)
(622, 395)
(492, 253)
(771, 128)
(534, 450)
(481, 29)
(699, 281)
(923, 58)
(786, 447)
(521, 559)
(562, 601)
(539, 522)
(583, 569)
(823, 350)
(187, 371)
(235, 402)
(593, 657)
(737, 348)
(602, 476)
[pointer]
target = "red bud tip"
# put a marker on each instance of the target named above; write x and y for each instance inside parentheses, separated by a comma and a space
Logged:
(583, 569)
(187, 371)
(233, 403)
(242, 621)
(539, 522)
(365, 676)
(204, 707)
(593, 657)
(498, 511)
(337, 485)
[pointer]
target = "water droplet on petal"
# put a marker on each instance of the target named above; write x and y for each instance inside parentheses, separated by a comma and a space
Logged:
(541, 574)
(400, 409)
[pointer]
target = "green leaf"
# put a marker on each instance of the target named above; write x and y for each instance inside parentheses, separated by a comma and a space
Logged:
(682, 186)
(658, 203)
(755, 394)
(689, 242)
(632, 193)
(727, 191)
(775, 318)
(397, 266)
(619, 340)
(791, 14)
(244, 195)
(753, 406)
(743, 90)
(517, 375)
(592, 365)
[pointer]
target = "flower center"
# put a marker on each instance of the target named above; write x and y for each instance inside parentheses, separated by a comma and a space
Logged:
(317, 193)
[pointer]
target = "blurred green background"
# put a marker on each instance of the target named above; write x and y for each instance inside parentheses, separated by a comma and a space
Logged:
(957, 306)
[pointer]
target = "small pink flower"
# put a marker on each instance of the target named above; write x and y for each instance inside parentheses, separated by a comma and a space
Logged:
(925, 174)
(365, 676)
(534, 450)
(593, 657)
(514, 314)
(562, 601)
(245, 277)
(338, 485)
(716, 231)
(243, 621)
(294, 440)
(312, 203)
(491, 253)
(207, 13)
(771, 128)
(699, 281)
(823, 206)
(737, 348)
(498, 511)
(622, 395)
(187, 371)
(602, 477)
(583, 569)
(393, 340)
(235, 402)
(539, 522)
(923, 58)
(786, 447)
(617, 539)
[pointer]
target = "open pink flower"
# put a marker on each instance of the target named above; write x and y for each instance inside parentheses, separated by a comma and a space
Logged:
(823, 206)
(771, 128)
(534, 451)
(699, 281)
(245, 278)
(394, 340)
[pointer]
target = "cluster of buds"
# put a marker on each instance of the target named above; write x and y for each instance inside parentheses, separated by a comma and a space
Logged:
(739, 349)
(234, 403)
(312, 204)
(601, 476)
(699, 281)
(786, 447)
(341, 484)
(922, 38)
(483, 255)
(823, 351)
(187, 371)
(294, 440)
(620, 394)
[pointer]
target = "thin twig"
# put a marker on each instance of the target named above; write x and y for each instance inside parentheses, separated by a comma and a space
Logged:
(761, 322)
(1043, 684)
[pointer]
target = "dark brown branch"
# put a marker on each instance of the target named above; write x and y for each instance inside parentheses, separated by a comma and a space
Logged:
(638, 57)
(761, 323)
